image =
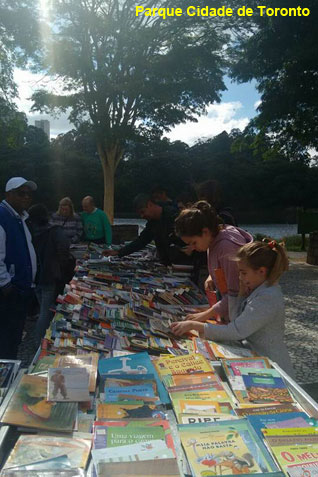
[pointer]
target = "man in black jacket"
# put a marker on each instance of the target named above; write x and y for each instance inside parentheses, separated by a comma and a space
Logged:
(160, 228)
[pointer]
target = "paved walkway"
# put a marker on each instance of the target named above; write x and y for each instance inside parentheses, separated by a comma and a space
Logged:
(300, 288)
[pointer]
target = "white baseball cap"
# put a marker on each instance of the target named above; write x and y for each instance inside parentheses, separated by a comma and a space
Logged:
(16, 182)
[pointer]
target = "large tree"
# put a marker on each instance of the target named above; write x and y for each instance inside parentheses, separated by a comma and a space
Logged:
(19, 41)
(131, 75)
(281, 53)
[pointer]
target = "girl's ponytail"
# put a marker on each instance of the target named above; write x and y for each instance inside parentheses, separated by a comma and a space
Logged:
(267, 253)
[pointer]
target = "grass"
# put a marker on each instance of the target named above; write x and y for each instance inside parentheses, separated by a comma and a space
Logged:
(292, 243)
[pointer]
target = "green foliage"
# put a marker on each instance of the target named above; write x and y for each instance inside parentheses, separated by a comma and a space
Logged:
(281, 53)
(293, 243)
(19, 40)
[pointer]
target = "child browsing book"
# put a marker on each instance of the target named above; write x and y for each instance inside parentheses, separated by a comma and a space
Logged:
(257, 314)
(199, 227)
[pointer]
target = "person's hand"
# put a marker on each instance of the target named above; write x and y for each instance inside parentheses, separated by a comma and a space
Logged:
(208, 284)
(196, 317)
(110, 253)
(187, 250)
(179, 328)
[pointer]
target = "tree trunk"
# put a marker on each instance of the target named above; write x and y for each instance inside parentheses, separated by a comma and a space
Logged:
(109, 159)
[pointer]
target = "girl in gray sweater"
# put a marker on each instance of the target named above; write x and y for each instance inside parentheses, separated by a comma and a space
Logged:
(257, 314)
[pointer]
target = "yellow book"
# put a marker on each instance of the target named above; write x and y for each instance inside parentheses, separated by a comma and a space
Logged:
(186, 364)
(217, 452)
(291, 431)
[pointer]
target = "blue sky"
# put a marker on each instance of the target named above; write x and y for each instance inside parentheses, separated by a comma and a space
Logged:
(237, 107)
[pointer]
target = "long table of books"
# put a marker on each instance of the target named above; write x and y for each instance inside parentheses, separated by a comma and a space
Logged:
(111, 392)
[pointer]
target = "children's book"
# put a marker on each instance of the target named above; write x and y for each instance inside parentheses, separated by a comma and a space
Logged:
(226, 350)
(129, 410)
(265, 385)
(29, 407)
(30, 449)
(241, 427)
(297, 454)
(68, 384)
(176, 380)
(43, 364)
(268, 409)
(120, 393)
(260, 422)
(187, 364)
(132, 364)
(88, 361)
(221, 451)
(154, 467)
(309, 469)
(201, 419)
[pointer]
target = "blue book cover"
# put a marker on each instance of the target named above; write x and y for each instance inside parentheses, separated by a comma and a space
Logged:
(261, 421)
(112, 393)
(132, 364)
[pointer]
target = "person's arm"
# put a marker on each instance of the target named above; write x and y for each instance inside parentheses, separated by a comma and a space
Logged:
(256, 314)
(144, 238)
(107, 229)
(5, 279)
(231, 274)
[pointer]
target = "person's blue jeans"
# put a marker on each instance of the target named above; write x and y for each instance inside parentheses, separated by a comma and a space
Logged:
(46, 295)
(13, 312)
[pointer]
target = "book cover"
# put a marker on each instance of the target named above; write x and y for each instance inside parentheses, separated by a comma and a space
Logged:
(124, 410)
(35, 449)
(191, 363)
(260, 422)
(68, 384)
(121, 393)
(139, 363)
(214, 451)
(88, 361)
(225, 350)
(209, 378)
(264, 387)
(154, 467)
(309, 469)
(288, 455)
(29, 407)
(202, 419)
(269, 409)
(255, 445)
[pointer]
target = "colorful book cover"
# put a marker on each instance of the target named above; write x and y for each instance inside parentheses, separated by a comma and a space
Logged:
(269, 409)
(260, 422)
(231, 351)
(68, 384)
(29, 407)
(43, 364)
(264, 387)
(34, 448)
(202, 419)
(122, 410)
(132, 364)
(288, 455)
(210, 378)
(255, 445)
(303, 470)
(191, 363)
(214, 451)
(109, 436)
(88, 361)
(120, 393)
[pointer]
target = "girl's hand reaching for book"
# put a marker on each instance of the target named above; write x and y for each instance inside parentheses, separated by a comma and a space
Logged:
(179, 328)
(202, 316)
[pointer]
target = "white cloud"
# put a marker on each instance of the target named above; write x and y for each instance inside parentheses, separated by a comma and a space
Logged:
(28, 83)
(257, 103)
(219, 117)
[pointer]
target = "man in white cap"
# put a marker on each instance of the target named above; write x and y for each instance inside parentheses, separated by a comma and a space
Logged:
(17, 264)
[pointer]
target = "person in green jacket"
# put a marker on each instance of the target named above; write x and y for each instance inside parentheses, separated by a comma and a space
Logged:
(96, 225)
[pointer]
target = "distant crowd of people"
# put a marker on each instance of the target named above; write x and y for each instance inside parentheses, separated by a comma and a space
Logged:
(192, 229)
